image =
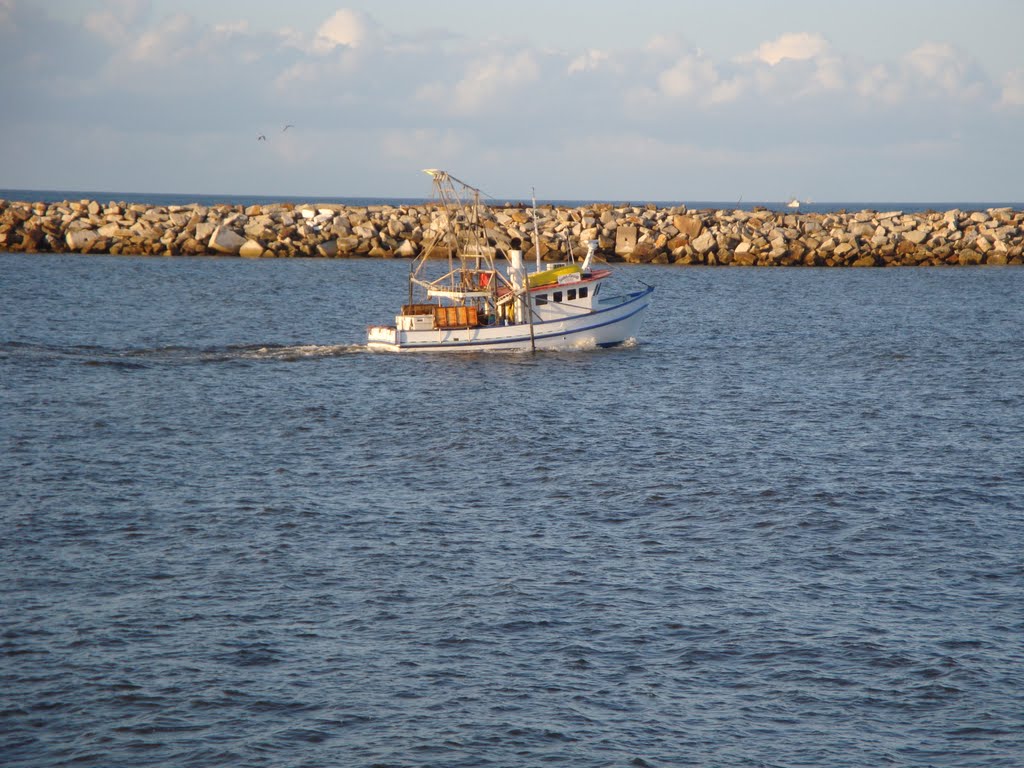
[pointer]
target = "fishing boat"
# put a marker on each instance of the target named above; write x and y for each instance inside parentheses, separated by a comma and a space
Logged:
(461, 299)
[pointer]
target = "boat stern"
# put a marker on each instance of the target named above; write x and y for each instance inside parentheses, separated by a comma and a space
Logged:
(382, 337)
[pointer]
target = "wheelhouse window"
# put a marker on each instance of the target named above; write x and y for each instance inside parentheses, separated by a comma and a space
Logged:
(557, 297)
(540, 299)
(570, 295)
(583, 292)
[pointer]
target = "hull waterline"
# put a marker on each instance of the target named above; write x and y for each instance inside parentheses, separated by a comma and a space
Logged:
(608, 326)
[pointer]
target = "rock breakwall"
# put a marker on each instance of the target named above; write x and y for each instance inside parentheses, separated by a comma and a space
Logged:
(638, 234)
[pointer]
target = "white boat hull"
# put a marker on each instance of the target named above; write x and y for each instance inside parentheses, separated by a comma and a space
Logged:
(610, 324)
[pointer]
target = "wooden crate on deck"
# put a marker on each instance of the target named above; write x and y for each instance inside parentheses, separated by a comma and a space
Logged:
(418, 309)
(455, 317)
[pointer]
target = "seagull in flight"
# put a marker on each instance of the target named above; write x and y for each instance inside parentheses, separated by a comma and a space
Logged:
(261, 137)
(287, 127)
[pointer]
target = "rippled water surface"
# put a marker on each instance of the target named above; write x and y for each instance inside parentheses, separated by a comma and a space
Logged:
(783, 529)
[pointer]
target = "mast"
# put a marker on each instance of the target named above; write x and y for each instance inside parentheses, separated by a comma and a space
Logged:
(528, 306)
(462, 234)
(536, 234)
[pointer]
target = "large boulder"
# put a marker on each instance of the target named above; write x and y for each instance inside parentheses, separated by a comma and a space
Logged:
(625, 240)
(328, 249)
(644, 253)
(705, 243)
(191, 247)
(144, 229)
(80, 239)
(179, 219)
(226, 240)
(348, 243)
(260, 227)
(251, 249)
(204, 230)
(110, 230)
(690, 226)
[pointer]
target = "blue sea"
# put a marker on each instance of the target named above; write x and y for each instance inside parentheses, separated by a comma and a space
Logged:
(782, 528)
(149, 198)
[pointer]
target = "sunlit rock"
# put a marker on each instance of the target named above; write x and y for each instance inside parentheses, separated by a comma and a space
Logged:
(225, 240)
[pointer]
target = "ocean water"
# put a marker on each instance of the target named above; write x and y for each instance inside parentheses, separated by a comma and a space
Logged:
(163, 198)
(783, 528)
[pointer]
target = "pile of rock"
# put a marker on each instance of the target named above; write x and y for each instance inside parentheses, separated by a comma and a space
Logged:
(640, 234)
(861, 239)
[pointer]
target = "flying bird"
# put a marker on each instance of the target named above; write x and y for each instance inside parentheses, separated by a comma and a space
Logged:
(261, 137)
(287, 127)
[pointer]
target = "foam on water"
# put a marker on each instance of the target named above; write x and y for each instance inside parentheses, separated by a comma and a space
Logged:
(296, 352)
(93, 355)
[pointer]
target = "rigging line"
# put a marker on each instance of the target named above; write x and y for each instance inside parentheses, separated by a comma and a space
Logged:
(440, 175)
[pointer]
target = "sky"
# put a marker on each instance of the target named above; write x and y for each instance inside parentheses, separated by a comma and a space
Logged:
(673, 100)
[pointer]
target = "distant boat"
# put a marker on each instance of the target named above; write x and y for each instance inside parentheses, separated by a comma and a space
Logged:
(473, 305)
(793, 203)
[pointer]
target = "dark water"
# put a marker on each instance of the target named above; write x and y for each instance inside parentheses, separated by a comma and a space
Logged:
(164, 198)
(785, 529)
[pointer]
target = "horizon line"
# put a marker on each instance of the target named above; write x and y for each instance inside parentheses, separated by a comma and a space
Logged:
(623, 201)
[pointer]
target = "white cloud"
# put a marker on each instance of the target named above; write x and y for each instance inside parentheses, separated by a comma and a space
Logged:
(172, 38)
(795, 46)
(299, 73)
(880, 83)
(790, 68)
(1012, 93)
(509, 109)
(232, 28)
(346, 27)
(947, 71)
(491, 81)
(937, 62)
(727, 91)
(291, 37)
(695, 78)
(116, 21)
(689, 76)
(830, 73)
(591, 60)
(664, 45)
